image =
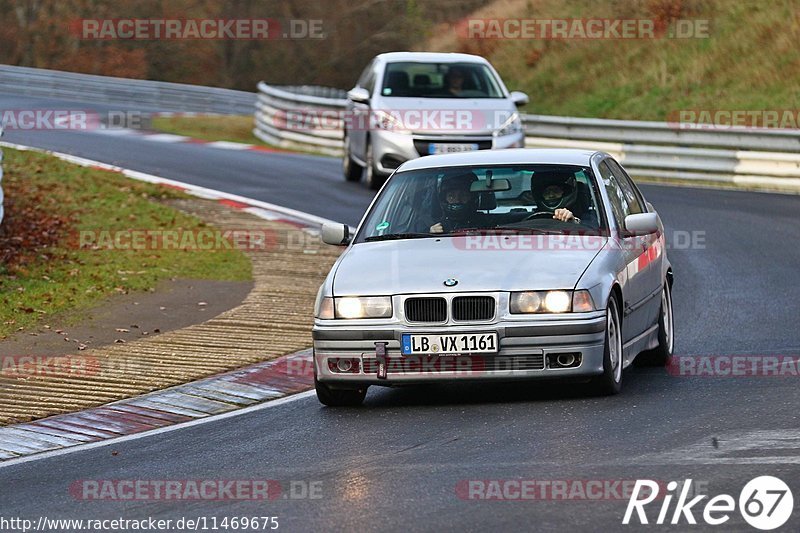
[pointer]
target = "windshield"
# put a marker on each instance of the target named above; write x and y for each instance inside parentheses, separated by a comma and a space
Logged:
(451, 201)
(440, 80)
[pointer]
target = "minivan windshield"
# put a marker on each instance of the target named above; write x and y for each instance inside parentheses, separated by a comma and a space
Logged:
(451, 200)
(440, 80)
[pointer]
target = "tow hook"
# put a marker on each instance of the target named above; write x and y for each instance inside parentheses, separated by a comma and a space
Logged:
(380, 355)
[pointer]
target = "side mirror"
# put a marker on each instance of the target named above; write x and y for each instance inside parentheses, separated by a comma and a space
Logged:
(519, 98)
(358, 94)
(641, 224)
(336, 234)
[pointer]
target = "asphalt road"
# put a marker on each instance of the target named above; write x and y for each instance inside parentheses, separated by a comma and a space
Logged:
(400, 461)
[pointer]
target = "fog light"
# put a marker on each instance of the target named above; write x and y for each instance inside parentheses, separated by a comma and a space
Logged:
(564, 360)
(343, 365)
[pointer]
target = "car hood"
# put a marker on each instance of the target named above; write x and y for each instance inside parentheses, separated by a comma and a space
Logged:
(526, 262)
(442, 116)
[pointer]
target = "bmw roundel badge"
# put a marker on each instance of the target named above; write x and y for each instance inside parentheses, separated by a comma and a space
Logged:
(450, 282)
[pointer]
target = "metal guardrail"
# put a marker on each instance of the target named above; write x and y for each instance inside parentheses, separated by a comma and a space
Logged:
(124, 92)
(767, 158)
(654, 149)
(273, 114)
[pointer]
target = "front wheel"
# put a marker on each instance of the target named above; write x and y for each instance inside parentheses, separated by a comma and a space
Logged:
(373, 178)
(659, 356)
(350, 169)
(610, 382)
(339, 397)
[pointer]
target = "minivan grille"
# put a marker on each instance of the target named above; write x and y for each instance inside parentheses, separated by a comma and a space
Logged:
(473, 308)
(426, 309)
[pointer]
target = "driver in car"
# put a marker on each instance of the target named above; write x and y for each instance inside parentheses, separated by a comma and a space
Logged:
(561, 194)
(459, 205)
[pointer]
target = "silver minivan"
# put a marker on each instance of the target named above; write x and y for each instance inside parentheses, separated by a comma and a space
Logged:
(411, 104)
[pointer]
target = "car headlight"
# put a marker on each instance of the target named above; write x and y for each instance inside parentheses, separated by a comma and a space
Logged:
(511, 126)
(384, 120)
(367, 307)
(551, 302)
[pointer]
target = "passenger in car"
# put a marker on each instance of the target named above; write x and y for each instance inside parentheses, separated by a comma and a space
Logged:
(458, 204)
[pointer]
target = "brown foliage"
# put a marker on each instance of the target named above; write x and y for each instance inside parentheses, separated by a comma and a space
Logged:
(31, 226)
(42, 33)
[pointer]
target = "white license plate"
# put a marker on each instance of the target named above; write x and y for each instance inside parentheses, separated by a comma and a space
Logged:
(447, 148)
(462, 343)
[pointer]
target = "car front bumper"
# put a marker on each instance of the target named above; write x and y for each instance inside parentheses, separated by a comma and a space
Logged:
(391, 149)
(527, 350)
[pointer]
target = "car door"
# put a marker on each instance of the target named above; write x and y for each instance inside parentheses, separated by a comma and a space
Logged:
(634, 276)
(360, 115)
(652, 256)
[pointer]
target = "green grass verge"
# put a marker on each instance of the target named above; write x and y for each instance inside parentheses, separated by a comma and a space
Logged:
(750, 59)
(232, 128)
(65, 277)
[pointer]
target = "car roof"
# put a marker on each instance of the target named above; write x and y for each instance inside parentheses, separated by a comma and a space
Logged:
(437, 57)
(511, 156)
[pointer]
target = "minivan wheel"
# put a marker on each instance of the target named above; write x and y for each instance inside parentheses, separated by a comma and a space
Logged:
(373, 179)
(339, 397)
(610, 381)
(350, 169)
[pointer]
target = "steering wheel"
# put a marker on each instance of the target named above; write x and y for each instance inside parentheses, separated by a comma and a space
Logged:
(539, 214)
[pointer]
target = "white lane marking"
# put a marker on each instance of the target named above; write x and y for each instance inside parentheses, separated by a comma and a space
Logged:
(227, 145)
(158, 431)
(166, 138)
(120, 132)
(194, 190)
(751, 447)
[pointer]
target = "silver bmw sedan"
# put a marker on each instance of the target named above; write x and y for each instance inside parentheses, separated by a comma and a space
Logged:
(495, 265)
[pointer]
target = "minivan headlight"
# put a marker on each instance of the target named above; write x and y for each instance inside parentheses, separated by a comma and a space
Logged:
(363, 307)
(386, 120)
(511, 126)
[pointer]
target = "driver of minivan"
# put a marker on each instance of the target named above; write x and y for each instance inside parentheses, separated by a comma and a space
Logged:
(454, 81)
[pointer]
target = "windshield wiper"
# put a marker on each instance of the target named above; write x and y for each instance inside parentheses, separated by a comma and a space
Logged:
(398, 236)
(528, 229)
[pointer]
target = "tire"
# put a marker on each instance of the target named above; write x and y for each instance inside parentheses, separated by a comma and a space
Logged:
(610, 382)
(372, 178)
(339, 397)
(659, 356)
(351, 170)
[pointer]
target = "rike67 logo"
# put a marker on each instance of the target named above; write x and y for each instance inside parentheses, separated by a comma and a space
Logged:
(765, 503)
